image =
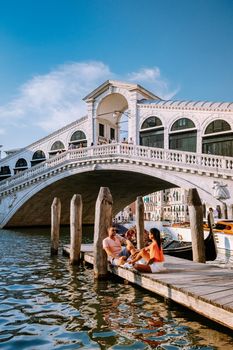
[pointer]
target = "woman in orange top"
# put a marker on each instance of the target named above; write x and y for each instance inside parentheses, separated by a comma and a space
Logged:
(150, 259)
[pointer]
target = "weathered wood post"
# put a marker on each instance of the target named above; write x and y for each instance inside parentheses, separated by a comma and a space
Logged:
(140, 222)
(230, 211)
(103, 220)
(218, 208)
(76, 208)
(55, 225)
(204, 210)
(224, 210)
(196, 224)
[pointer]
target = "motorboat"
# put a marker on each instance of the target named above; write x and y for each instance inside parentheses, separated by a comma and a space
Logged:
(224, 226)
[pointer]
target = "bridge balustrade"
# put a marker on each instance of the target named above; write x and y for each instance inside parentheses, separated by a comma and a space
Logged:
(188, 160)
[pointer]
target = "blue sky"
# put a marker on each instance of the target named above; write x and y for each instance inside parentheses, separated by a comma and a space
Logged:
(54, 52)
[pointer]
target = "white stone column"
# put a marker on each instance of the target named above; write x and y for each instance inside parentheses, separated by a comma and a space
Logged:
(91, 122)
(133, 119)
(166, 138)
(199, 142)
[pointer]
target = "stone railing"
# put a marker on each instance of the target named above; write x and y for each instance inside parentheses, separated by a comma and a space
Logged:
(204, 163)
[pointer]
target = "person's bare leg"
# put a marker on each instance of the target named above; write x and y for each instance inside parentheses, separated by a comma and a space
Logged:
(142, 268)
(142, 254)
(130, 247)
(137, 257)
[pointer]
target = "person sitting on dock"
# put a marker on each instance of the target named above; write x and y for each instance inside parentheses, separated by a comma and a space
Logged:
(117, 255)
(150, 258)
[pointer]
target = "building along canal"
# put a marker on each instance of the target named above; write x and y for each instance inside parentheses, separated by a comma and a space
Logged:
(45, 303)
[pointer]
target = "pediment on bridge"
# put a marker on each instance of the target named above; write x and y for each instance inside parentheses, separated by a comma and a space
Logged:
(112, 85)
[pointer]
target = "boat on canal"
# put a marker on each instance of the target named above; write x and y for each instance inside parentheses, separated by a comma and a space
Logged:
(222, 234)
(177, 247)
(183, 249)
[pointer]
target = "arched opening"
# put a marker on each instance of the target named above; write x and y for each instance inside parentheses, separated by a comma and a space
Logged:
(57, 147)
(4, 172)
(152, 133)
(20, 165)
(183, 135)
(78, 139)
(218, 139)
(38, 157)
(112, 119)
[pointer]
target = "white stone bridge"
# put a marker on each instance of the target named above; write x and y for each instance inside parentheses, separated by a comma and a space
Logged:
(128, 170)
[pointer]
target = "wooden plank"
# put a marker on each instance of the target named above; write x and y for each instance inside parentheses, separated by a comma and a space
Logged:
(196, 286)
(224, 297)
(84, 248)
(230, 303)
(204, 290)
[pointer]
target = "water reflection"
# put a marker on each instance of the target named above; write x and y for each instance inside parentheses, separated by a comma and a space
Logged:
(45, 303)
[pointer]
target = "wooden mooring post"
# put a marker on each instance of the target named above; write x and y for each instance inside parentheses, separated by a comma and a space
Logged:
(140, 222)
(196, 224)
(230, 211)
(224, 210)
(55, 225)
(76, 208)
(103, 220)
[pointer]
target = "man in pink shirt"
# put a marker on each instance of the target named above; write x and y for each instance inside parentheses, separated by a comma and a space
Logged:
(117, 254)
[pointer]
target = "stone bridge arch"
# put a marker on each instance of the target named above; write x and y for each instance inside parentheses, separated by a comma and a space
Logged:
(126, 180)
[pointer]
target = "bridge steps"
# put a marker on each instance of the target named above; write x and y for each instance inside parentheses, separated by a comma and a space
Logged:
(203, 288)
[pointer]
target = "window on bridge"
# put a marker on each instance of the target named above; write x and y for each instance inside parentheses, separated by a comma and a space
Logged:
(183, 135)
(20, 165)
(218, 139)
(38, 157)
(78, 139)
(4, 172)
(57, 147)
(152, 133)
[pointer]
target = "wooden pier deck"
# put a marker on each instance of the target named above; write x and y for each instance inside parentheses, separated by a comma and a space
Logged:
(205, 289)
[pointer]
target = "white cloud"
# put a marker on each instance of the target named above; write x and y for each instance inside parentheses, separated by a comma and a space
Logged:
(154, 81)
(48, 102)
(145, 74)
(52, 100)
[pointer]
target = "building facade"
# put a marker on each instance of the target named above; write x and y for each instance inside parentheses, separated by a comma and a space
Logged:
(167, 205)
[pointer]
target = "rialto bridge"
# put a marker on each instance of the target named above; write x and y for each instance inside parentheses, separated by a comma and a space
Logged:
(170, 144)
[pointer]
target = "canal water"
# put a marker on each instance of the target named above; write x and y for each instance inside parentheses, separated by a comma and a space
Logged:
(47, 304)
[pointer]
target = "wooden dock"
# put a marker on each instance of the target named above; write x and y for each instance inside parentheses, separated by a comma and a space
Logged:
(203, 288)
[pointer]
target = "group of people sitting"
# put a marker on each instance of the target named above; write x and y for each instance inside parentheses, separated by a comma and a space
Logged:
(148, 259)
